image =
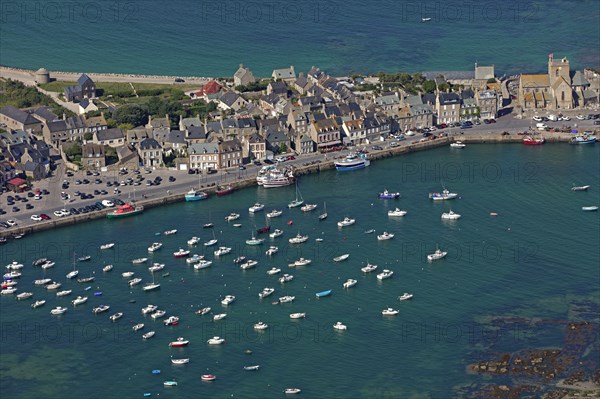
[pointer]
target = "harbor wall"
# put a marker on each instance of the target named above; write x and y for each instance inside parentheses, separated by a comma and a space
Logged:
(299, 170)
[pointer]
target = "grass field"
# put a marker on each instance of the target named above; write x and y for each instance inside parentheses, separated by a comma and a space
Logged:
(116, 88)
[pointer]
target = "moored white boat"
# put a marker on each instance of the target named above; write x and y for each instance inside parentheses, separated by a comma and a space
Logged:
(274, 213)
(116, 316)
(302, 262)
(8, 291)
(388, 195)
(64, 293)
(58, 310)
(406, 296)
(53, 286)
(580, 188)
(100, 309)
(134, 281)
(266, 292)
(286, 299)
(385, 274)
(292, 391)
(346, 222)
(107, 246)
(194, 258)
(458, 144)
(39, 303)
(127, 274)
(14, 265)
(444, 195)
(272, 250)
(202, 264)
(219, 316)
(273, 270)
(438, 254)
(203, 311)
(228, 300)
(149, 309)
(47, 265)
(297, 315)
(298, 239)
(276, 233)
(349, 283)
(42, 281)
(252, 368)
(389, 312)
(155, 246)
(261, 326)
(156, 267)
(79, 300)
(181, 253)
(222, 251)
(107, 268)
(340, 326)
(352, 162)
(139, 261)
(397, 212)
(450, 215)
(193, 241)
(232, 216)
(148, 335)
(158, 314)
(257, 207)
(308, 207)
(249, 264)
(285, 278)
(170, 232)
(341, 258)
(138, 327)
(208, 377)
(369, 268)
(180, 361)
(589, 208)
(385, 236)
(179, 342)
(171, 321)
(24, 295)
(210, 243)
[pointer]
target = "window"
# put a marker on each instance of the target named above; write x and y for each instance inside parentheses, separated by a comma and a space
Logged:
(562, 96)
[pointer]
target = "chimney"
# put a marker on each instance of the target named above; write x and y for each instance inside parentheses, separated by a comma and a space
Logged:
(241, 65)
(64, 116)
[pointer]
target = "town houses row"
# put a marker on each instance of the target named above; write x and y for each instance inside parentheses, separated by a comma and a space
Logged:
(302, 113)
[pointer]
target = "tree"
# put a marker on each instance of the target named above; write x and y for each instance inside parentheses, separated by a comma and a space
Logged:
(74, 152)
(444, 87)
(131, 113)
(88, 136)
(491, 80)
(429, 86)
(126, 126)
(282, 148)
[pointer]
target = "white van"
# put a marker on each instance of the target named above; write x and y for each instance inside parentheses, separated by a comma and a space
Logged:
(541, 126)
(552, 118)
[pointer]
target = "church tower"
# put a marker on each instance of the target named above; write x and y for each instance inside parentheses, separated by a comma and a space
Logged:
(557, 69)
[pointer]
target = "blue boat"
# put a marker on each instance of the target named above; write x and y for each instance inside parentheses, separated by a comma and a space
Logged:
(323, 293)
(194, 195)
(389, 195)
(97, 293)
(352, 162)
(583, 139)
(155, 371)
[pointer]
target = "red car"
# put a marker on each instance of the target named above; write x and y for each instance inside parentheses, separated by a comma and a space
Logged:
(290, 157)
(45, 217)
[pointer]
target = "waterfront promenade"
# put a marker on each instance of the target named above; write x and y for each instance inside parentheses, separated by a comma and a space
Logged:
(171, 192)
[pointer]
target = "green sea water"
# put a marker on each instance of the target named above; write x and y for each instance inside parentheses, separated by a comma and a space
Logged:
(538, 259)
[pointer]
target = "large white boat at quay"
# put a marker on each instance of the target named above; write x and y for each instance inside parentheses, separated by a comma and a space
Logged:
(352, 162)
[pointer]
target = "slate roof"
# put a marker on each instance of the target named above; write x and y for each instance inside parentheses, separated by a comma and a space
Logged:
(196, 132)
(579, 80)
(449, 98)
(109, 134)
(278, 87)
(45, 114)
(284, 73)
(57, 126)
(246, 123)
(302, 81)
(18, 115)
(204, 148)
(149, 144)
(84, 79)
(229, 98)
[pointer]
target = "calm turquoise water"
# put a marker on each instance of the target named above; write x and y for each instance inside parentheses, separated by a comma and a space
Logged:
(210, 38)
(515, 264)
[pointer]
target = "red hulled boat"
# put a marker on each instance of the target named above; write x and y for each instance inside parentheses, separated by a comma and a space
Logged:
(531, 141)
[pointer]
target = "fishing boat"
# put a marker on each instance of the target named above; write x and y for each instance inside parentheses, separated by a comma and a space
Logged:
(352, 162)
(299, 239)
(286, 299)
(14, 266)
(232, 216)
(273, 271)
(583, 139)
(450, 215)
(249, 264)
(180, 361)
(405, 297)
(388, 195)
(8, 291)
(297, 315)
(39, 303)
(261, 326)
(84, 258)
(107, 268)
(323, 293)
(203, 311)
(239, 259)
(115, 316)
(216, 340)
(79, 300)
(302, 262)
(107, 246)
(134, 281)
(396, 213)
(589, 208)
(171, 321)
(194, 258)
(222, 251)
(202, 264)
(458, 144)
(48, 264)
(195, 195)
(42, 281)
(444, 195)
(139, 261)
(257, 207)
(12, 274)
(579, 188)
(37, 262)
(155, 246)
(149, 309)
(208, 377)
(369, 268)
(385, 274)
(370, 231)
(127, 274)
(272, 250)
(53, 286)
(125, 210)
(298, 201)
(266, 292)
(86, 279)
(285, 278)
(181, 253)
(219, 316)
(64, 293)
(138, 327)
(533, 141)
(349, 283)
(346, 222)
(308, 207)
(158, 314)
(385, 236)
(438, 254)
(225, 190)
(276, 233)
(389, 312)
(252, 368)
(100, 309)
(24, 295)
(274, 213)
(156, 267)
(228, 300)
(58, 310)
(148, 335)
(179, 342)
(170, 232)
(169, 384)
(340, 326)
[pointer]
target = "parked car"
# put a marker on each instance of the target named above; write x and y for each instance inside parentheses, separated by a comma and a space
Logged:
(242, 167)
(377, 148)
(45, 217)
(536, 118)
(268, 162)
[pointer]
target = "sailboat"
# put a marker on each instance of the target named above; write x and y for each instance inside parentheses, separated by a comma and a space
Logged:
(254, 240)
(195, 195)
(74, 273)
(151, 286)
(209, 224)
(298, 201)
(323, 216)
(211, 242)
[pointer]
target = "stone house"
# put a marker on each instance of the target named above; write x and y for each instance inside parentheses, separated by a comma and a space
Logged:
(548, 91)
(113, 137)
(243, 76)
(231, 101)
(355, 132)
(276, 138)
(85, 88)
(7, 172)
(448, 107)
(138, 134)
(278, 88)
(488, 103)
(204, 156)
(86, 106)
(255, 146)
(302, 84)
(150, 152)
(16, 119)
(93, 156)
(302, 143)
(325, 133)
(285, 74)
